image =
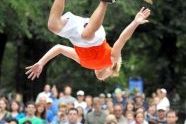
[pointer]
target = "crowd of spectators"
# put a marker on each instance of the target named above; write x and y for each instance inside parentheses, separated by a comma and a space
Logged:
(120, 107)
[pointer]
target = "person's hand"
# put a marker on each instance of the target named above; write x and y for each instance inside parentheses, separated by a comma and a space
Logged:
(142, 15)
(34, 70)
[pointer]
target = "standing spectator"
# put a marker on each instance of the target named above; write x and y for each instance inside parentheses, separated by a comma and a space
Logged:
(164, 101)
(88, 100)
(161, 116)
(4, 114)
(158, 93)
(54, 97)
(118, 112)
(49, 112)
(61, 94)
(97, 116)
(15, 110)
(67, 98)
(103, 101)
(46, 93)
(171, 117)
(80, 100)
(73, 116)
(81, 118)
(140, 118)
(110, 106)
(30, 114)
(119, 99)
(61, 117)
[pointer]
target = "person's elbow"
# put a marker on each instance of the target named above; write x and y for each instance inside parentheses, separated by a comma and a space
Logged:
(58, 48)
(54, 26)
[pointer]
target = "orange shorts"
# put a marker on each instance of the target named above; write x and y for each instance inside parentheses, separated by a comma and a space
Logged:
(96, 57)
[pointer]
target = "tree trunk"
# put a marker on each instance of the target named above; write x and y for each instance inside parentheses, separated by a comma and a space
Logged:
(168, 51)
(3, 40)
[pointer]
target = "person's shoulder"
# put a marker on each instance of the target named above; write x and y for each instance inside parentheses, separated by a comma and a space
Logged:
(90, 113)
(37, 120)
(22, 120)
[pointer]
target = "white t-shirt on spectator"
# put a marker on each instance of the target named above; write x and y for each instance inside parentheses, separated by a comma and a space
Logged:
(67, 100)
(43, 94)
(81, 104)
(165, 103)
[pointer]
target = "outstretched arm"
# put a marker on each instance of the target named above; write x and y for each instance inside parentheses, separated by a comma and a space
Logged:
(36, 69)
(140, 18)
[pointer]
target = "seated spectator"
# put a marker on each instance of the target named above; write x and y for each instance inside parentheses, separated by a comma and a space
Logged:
(130, 117)
(73, 116)
(161, 115)
(15, 110)
(151, 115)
(30, 114)
(139, 102)
(41, 111)
(61, 117)
(27, 122)
(119, 99)
(111, 119)
(140, 118)
(129, 106)
(81, 118)
(141, 109)
(118, 112)
(4, 114)
(12, 121)
(97, 116)
(171, 117)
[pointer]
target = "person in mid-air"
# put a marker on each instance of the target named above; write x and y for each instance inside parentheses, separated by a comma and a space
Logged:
(87, 35)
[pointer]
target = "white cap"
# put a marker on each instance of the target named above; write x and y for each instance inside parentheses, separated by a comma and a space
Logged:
(80, 93)
(102, 95)
(160, 107)
(163, 90)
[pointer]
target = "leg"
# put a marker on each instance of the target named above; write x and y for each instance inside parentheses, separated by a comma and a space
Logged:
(96, 21)
(54, 22)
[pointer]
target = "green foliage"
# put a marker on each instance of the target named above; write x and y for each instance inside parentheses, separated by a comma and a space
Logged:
(8, 68)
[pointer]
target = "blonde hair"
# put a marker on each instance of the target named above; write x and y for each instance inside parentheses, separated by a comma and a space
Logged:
(116, 68)
(111, 119)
